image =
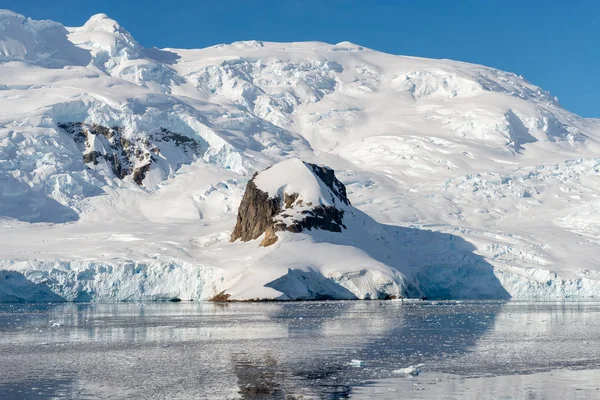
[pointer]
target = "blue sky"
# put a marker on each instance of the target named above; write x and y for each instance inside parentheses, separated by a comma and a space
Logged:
(554, 44)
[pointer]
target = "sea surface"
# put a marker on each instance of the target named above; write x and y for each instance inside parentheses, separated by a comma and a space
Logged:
(301, 350)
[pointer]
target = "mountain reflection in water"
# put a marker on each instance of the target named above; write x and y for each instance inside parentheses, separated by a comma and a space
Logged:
(281, 350)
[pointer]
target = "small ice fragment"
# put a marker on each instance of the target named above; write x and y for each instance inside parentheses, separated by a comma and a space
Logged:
(356, 363)
(412, 370)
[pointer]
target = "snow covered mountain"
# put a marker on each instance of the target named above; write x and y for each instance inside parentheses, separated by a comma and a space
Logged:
(122, 169)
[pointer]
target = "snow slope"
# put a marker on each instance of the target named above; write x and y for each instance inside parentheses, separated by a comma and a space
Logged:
(477, 182)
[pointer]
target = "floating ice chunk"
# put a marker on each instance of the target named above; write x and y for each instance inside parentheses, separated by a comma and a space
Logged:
(123, 237)
(409, 371)
(405, 300)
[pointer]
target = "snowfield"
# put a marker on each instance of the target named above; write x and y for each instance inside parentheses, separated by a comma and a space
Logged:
(122, 169)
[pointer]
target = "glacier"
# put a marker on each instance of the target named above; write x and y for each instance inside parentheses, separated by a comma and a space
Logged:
(122, 168)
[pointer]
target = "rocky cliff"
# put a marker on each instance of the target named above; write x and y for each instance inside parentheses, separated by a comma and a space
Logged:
(129, 156)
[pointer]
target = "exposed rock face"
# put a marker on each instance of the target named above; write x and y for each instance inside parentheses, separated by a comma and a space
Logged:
(255, 214)
(327, 175)
(125, 157)
(259, 213)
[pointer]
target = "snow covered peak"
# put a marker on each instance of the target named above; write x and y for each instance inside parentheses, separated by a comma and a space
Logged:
(349, 46)
(295, 177)
(102, 22)
(8, 14)
(104, 36)
(49, 44)
(40, 42)
(96, 18)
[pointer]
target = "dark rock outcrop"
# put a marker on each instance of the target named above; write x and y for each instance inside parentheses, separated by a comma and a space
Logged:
(221, 297)
(256, 212)
(327, 175)
(126, 157)
(260, 214)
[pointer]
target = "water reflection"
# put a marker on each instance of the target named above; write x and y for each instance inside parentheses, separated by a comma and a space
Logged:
(30, 389)
(280, 350)
(259, 378)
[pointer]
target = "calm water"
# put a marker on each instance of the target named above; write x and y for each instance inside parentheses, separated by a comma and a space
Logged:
(311, 350)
